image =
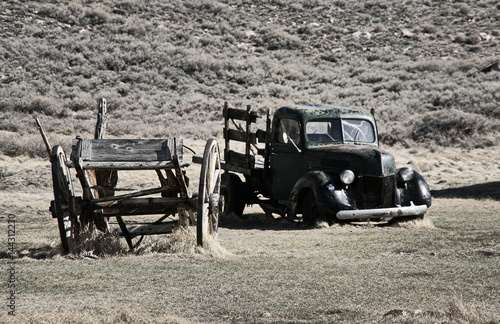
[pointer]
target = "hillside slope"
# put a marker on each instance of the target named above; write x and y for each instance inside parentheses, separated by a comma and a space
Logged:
(166, 67)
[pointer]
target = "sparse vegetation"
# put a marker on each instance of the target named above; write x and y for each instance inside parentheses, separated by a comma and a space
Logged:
(167, 67)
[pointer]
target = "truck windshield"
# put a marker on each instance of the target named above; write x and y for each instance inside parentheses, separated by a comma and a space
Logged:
(337, 130)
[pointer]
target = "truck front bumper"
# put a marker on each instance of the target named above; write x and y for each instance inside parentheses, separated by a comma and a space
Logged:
(411, 210)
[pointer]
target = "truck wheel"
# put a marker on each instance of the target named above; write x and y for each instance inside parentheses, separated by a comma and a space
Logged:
(233, 191)
(310, 211)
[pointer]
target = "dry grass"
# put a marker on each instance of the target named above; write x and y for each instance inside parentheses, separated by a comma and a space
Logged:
(441, 269)
(182, 241)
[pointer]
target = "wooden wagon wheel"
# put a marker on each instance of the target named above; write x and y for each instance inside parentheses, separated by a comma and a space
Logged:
(209, 199)
(64, 206)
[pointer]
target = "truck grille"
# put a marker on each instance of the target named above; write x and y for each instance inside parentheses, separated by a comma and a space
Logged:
(376, 192)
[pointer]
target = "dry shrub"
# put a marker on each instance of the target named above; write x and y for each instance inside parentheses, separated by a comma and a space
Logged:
(464, 9)
(276, 38)
(96, 243)
(429, 28)
(452, 128)
(322, 224)
(96, 15)
(92, 244)
(28, 145)
(182, 241)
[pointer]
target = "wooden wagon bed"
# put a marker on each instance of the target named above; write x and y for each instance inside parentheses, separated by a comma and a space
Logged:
(97, 163)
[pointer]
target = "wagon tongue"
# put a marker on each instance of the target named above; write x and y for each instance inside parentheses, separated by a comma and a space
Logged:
(365, 160)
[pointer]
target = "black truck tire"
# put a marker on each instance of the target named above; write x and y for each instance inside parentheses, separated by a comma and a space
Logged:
(310, 212)
(233, 191)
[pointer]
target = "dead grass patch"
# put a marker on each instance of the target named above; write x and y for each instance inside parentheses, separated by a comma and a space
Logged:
(414, 224)
(97, 244)
(456, 312)
(182, 241)
(121, 315)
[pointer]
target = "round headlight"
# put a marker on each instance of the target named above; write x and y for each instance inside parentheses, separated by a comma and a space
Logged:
(347, 177)
(406, 174)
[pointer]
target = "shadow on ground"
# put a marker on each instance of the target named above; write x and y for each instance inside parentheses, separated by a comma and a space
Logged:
(260, 221)
(478, 191)
(41, 253)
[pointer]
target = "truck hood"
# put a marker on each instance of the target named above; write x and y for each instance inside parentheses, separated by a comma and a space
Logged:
(362, 160)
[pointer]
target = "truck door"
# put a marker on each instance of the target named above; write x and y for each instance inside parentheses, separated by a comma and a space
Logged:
(286, 162)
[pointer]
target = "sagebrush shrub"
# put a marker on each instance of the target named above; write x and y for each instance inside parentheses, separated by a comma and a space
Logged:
(171, 59)
(452, 127)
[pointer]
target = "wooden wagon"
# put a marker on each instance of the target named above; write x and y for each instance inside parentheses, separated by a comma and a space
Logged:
(97, 162)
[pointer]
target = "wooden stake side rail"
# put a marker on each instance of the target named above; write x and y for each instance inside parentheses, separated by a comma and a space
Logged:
(246, 162)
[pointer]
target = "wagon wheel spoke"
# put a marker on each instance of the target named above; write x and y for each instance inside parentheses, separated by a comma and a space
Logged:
(63, 206)
(216, 175)
(209, 193)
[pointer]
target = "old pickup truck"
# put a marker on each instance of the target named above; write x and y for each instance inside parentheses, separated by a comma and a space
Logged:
(319, 161)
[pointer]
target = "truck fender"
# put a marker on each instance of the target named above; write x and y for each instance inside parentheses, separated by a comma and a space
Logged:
(416, 191)
(326, 190)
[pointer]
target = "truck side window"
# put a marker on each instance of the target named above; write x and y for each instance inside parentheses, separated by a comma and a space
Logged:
(289, 129)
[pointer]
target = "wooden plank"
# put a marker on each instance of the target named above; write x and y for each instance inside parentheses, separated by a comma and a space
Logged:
(153, 165)
(85, 149)
(240, 159)
(132, 195)
(151, 229)
(239, 114)
(240, 136)
(100, 126)
(226, 127)
(247, 147)
(130, 150)
(142, 202)
(142, 206)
